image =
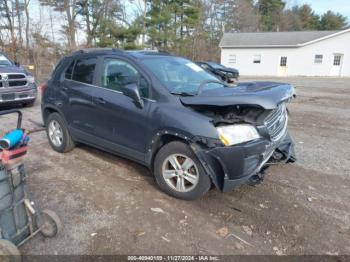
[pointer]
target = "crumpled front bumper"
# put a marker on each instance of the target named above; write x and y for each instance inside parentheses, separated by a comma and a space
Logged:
(232, 166)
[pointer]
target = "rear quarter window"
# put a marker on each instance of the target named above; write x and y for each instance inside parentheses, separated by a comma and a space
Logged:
(84, 70)
(69, 71)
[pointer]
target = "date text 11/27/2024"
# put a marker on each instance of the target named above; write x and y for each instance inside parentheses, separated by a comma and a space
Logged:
(173, 258)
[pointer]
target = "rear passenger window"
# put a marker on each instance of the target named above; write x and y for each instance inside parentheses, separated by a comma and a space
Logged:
(84, 70)
(69, 71)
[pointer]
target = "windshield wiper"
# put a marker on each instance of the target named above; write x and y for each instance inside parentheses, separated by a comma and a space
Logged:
(182, 93)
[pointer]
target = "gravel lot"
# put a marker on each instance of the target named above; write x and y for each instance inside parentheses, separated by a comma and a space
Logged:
(109, 205)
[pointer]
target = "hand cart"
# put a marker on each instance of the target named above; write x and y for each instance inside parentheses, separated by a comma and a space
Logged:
(19, 221)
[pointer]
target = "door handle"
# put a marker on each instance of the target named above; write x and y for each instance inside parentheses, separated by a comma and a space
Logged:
(100, 100)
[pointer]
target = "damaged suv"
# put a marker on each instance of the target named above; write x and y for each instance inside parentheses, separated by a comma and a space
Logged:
(165, 112)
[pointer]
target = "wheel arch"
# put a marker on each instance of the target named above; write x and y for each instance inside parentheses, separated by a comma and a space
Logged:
(164, 137)
(160, 139)
(48, 110)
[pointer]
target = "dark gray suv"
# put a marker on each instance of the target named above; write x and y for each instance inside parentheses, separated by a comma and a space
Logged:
(165, 112)
(17, 86)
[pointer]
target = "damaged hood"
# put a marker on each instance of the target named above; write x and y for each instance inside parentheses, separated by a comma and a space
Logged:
(264, 94)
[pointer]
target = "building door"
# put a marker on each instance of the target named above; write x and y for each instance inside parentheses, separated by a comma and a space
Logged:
(337, 65)
(283, 68)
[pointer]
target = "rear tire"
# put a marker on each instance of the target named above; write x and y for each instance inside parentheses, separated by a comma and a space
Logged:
(188, 180)
(58, 135)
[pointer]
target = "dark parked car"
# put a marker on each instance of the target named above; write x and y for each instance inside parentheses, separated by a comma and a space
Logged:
(165, 112)
(17, 86)
(229, 75)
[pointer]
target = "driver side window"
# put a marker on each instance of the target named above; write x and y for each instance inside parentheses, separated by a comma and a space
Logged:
(118, 73)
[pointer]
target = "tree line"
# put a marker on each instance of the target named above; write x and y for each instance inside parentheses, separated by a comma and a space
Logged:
(191, 28)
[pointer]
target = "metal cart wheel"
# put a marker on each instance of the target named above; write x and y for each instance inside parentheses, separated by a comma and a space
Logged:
(9, 252)
(48, 223)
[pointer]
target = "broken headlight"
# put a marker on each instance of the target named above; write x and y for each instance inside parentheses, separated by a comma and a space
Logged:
(236, 134)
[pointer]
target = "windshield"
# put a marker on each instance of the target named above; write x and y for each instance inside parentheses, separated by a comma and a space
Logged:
(179, 75)
(215, 65)
(4, 61)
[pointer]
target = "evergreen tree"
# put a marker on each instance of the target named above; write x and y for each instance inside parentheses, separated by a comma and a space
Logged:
(170, 23)
(270, 12)
(309, 20)
(332, 21)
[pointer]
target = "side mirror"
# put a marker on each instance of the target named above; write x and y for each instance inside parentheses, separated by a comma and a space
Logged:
(17, 64)
(132, 91)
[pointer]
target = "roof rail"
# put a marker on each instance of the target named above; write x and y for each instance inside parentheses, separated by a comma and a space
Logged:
(149, 52)
(94, 50)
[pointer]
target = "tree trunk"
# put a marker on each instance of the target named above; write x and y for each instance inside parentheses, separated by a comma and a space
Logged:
(71, 23)
(181, 21)
(26, 4)
(19, 21)
(12, 30)
(88, 23)
(144, 23)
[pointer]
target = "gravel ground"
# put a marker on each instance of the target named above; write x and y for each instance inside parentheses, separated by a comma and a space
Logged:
(109, 205)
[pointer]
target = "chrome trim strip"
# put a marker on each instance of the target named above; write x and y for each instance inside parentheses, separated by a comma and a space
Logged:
(18, 99)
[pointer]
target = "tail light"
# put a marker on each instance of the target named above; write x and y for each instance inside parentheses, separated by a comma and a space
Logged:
(43, 88)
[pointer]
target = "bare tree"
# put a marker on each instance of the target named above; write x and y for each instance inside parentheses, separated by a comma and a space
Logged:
(8, 13)
(94, 12)
(26, 10)
(19, 9)
(69, 8)
(141, 9)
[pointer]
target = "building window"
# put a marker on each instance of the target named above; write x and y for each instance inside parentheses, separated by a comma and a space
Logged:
(232, 59)
(337, 60)
(257, 59)
(283, 61)
(318, 59)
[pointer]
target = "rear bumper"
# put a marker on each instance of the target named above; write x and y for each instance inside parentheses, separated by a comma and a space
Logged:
(232, 166)
(18, 96)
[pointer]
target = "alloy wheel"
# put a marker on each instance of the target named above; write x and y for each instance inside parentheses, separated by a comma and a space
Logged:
(55, 133)
(180, 172)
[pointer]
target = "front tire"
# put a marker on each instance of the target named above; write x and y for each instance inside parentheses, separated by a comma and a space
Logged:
(179, 173)
(57, 134)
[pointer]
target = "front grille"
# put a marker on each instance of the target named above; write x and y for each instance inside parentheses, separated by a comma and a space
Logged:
(17, 83)
(13, 80)
(276, 122)
(16, 76)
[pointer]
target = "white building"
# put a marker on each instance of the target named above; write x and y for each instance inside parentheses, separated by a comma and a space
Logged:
(313, 53)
